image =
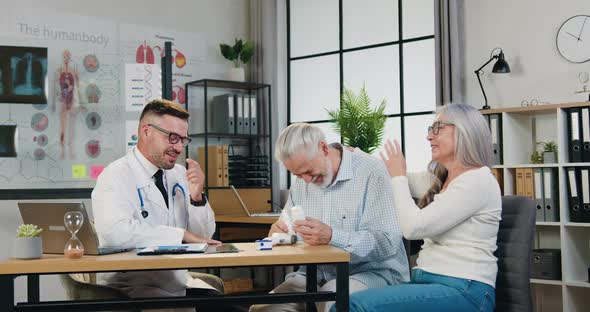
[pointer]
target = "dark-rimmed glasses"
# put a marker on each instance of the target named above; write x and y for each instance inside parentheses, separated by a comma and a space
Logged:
(435, 128)
(173, 137)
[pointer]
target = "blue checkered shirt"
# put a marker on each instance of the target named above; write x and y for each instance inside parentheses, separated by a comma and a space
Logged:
(358, 206)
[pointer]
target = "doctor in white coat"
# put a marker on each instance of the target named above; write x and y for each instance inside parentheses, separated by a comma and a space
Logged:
(130, 210)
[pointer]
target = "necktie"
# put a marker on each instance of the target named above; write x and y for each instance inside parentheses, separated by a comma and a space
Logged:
(160, 184)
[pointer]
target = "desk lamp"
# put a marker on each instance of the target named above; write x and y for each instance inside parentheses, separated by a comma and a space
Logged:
(500, 67)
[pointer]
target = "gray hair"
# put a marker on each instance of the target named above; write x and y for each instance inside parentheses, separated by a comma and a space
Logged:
(473, 144)
(297, 138)
(472, 134)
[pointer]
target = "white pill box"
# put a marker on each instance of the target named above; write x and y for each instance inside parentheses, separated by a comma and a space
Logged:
(264, 244)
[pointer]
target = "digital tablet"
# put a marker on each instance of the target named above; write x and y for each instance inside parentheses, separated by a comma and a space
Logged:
(223, 248)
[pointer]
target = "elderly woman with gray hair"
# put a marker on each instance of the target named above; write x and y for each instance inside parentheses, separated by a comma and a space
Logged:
(457, 217)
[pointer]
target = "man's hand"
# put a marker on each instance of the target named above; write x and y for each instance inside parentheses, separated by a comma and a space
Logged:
(278, 227)
(196, 179)
(190, 238)
(313, 231)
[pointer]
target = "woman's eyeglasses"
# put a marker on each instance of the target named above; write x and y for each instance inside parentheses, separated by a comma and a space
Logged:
(173, 137)
(435, 128)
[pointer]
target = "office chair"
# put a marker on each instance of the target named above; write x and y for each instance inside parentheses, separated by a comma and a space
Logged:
(514, 253)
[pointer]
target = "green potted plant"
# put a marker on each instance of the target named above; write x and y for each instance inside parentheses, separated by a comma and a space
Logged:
(549, 151)
(536, 158)
(240, 54)
(28, 243)
(358, 124)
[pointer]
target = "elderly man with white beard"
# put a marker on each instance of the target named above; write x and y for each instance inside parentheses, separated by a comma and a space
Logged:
(347, 199)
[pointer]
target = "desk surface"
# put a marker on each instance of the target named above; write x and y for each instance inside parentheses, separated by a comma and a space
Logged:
(246, 219)
(129, 261)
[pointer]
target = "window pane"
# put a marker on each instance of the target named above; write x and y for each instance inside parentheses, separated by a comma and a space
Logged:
(315, 87)
(417, 146)
(378, 69)
(392, 132)
(419, 76)
(328, 128)
(418, 18)
(369, 22)
(319, 18)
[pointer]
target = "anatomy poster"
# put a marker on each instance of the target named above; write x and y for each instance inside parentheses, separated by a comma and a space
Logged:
(85, 123)
(145, 45)
(143, 83)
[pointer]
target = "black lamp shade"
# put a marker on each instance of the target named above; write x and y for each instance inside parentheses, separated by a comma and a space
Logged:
(501, 66)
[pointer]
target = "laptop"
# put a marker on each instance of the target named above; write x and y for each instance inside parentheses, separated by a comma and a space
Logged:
(50, 217)
(260, 214)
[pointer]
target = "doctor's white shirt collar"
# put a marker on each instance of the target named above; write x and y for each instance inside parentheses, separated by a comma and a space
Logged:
(149, 167)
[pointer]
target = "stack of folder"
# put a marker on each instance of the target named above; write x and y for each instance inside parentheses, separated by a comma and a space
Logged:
(217, 166)
(578, 134)
(499, 174)
(495, 124)
(234, 113)
(541, 185)
(578, 187)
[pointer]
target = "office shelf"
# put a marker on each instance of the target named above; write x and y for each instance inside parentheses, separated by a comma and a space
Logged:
(224, 111)
(583, 284)
(577, 224)
(543, 223)
(227, 136)
(522, 127)
(545, 282)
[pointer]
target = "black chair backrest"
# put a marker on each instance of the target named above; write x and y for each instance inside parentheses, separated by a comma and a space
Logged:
(514, 253)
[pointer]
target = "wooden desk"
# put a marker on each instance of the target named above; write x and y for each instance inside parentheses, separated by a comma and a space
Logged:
(234, 228)
(129, 261)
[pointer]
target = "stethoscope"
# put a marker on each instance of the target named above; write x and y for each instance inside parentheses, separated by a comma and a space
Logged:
(175, 187)
(145, 213)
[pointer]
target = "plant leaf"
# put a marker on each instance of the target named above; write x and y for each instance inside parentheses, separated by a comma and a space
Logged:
(358, 124)
(247, 52)
(228, 52)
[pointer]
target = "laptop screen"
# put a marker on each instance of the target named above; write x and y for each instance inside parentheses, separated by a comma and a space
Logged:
(49, 216)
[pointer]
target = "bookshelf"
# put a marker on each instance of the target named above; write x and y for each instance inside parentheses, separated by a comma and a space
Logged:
(522, 127)
(231, 130)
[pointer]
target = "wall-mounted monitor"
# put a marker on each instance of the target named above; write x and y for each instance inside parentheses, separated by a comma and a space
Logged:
(8, 139)
(23, 75)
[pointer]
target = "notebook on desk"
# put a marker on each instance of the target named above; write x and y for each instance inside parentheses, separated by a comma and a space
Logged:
(49, 216)
(195, 248)
(258, 214)
(175, 249)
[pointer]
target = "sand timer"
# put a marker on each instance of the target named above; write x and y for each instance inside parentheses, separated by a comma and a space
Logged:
(73, 221)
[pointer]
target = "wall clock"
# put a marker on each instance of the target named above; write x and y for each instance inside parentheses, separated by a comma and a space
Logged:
(573, 39)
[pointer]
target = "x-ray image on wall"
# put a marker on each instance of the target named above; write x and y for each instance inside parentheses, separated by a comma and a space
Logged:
(8, 140)
(23, 75)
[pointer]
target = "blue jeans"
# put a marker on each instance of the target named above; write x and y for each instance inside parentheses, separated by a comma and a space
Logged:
(427, 292)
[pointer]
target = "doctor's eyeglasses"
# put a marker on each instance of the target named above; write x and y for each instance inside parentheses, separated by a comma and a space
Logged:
(173, 137)
(435, 128)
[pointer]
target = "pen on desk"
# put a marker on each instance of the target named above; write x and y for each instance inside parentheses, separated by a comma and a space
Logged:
(342, 221)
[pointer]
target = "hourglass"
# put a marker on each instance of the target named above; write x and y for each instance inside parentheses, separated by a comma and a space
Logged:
(73, 221)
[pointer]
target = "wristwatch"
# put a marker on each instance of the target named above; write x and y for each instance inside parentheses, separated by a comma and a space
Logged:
(201, 202)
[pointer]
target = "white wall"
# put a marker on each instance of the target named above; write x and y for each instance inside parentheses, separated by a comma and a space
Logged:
(215, 20)
(525, 30)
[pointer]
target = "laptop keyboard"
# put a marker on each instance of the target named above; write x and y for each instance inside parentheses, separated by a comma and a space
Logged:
(266, 214)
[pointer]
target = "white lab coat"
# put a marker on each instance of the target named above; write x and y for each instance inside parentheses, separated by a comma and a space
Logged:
(117, 212)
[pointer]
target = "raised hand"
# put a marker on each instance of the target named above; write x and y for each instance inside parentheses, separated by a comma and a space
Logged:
(394, 159)
(196, 179)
